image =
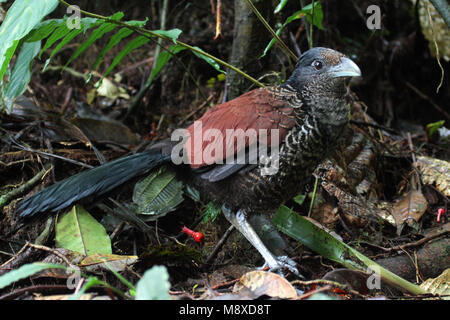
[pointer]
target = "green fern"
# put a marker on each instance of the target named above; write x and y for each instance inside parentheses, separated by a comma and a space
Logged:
(20, 29)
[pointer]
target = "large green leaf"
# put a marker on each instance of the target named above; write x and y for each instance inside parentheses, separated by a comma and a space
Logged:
(78, 231)
(319, 240)
(154, 285)
(21, 73)
(158, 193)
(20, 19)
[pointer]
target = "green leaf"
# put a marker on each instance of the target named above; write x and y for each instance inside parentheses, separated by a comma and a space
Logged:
(318, 14)
(172, 34)
(78, 231)
(8, 56)
(25, 271)
(92, 281)
(132, 45)
(210, 61)
(212, 210)
(431, 128)
(319, 240)
(280, 6)
(21, 73)
(62, 31)
(21, 18)
(158, 194)
(115, 39)
(43, 30)
(306, 11)
(85, 25)
(300, 199)
(154, 285)
(97, 34)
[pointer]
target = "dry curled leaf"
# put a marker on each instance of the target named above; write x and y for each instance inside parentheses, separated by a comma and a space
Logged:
(439, 285)
(434, 29)
(266, 283)
(412, 206)
(435, 171)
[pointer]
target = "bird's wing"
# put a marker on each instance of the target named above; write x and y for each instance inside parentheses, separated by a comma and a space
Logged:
(216, 135)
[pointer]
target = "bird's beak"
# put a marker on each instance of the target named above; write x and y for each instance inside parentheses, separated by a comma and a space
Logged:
(346, 68)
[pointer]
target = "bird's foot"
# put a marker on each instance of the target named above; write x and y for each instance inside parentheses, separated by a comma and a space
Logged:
(282, 262)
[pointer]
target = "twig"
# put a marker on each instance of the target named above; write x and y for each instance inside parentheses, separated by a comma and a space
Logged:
(311, 39)
(313, 199)
(219, 245)
(196, 110)
(224, 284)
(218, 21)
(52, 251)
(328, 285)
(425, 97)
(272, 32)
(13, 194)
(24, 148)
(411, 244)
(36, 288)
(437, 48)
(374, 125)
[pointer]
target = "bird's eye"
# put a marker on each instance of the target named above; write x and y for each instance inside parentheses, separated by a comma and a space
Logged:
(317, 64)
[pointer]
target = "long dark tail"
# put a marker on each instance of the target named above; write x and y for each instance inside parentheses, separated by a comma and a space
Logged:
(89, 183)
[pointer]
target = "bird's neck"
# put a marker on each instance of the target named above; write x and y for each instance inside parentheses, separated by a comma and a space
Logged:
(328, 107)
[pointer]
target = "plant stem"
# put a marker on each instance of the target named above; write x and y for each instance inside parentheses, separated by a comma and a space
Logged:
(272, 32)
(313, 198)
(311, 41)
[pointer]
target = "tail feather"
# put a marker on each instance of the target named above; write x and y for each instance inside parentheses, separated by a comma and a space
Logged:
(93, 182)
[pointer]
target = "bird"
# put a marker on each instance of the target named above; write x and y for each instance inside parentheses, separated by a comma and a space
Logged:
(250, 154)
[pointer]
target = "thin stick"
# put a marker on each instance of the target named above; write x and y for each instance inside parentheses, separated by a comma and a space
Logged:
(272, 32)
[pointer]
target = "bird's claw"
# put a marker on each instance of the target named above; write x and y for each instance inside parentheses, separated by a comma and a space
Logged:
(282, 262)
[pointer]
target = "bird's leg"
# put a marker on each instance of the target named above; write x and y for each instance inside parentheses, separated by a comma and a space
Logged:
(239, 221)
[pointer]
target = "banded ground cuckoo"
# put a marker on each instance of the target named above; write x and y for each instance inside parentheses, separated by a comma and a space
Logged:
(301, 119)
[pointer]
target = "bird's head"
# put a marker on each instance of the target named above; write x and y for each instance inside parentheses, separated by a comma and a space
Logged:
(322, 69)
(319, 77)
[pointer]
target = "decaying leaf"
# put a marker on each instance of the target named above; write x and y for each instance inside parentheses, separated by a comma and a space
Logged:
(107, 261)
(439, 285)
(108, 89)
(101, 130)
(435, 171)
(86, 296)
(410, 207)
(266, 283)
(436, 29)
